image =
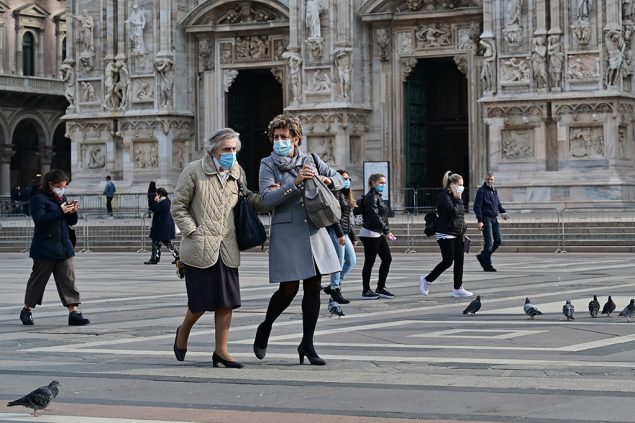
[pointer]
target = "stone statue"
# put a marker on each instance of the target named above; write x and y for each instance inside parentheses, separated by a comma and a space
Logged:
(313, 10)
(539, 63)
(383, 42)
(205, 54)
(123, 82)
(110, 80)
(628, 10)
(487, 72)
(514, 9)
(88, 92)
(95, 159)
(556, 60)
(86, 31)
(583, 9)
(294, 62)
(68, 75)
(343, 64)
(615, 46)
(143, 92)
(136, 24)
(165, 68)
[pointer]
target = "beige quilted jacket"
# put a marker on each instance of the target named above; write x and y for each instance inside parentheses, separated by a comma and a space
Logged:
(202, 208)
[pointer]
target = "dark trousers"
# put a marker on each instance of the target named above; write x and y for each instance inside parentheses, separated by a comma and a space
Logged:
(374, 247)
(451, 251)
(491, 239)
(64, 274)
(109, 205)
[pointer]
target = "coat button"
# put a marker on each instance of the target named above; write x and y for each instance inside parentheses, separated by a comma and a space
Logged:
(304, 220)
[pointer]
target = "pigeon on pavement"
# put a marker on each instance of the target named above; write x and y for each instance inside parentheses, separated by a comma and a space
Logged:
(594, 306)
(530, 309)
(567, 310)
(473, 306)
(609, 307)
(628, 310)
(335, 309)
(38, 399)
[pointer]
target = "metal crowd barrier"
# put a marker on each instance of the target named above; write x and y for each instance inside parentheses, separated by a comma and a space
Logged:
(578, 217)
(403, 216)
(17, 230)
(542, 220)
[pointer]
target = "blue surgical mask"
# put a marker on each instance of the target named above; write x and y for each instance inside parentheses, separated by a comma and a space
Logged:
(227, 160)
(459, 189)
(59, 191)
(347, 184)
(380, 188)
(282, 147)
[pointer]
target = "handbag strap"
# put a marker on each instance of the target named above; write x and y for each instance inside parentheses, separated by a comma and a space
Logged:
(241, 188)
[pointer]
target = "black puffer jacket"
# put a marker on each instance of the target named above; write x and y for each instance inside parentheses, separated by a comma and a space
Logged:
(375, 212)
(451, 213)
(344, 226)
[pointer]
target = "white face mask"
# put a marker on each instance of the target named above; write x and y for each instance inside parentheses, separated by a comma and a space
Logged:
(459, 189)
(59, 191)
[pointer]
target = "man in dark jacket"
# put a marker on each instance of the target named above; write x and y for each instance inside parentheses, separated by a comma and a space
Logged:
(487, 206)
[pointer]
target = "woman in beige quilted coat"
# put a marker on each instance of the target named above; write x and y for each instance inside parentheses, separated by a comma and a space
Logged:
(203, 204)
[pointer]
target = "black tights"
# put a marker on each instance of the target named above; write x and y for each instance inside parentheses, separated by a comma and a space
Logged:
(281, 299)
(374, 247)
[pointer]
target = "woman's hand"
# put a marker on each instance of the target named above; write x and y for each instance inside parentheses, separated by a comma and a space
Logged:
(455, 193)
(326, 180)
(305, 173)
(67, 208)
(342, 240)
(391, 237)
(355, 243)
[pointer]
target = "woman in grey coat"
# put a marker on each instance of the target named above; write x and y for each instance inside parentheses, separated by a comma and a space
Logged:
(297, 249)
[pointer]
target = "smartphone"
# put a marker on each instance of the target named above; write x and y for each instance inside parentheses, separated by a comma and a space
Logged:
(72, 203)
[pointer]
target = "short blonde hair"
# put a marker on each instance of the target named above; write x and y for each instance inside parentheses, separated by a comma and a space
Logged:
(291, 123)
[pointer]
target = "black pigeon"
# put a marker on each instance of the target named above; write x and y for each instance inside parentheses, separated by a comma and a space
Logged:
(473, 306)
(568, 310)
(38, 399)
(530, 309)
(628, 310)
(335, 309)
(594, 306)
(609, 307)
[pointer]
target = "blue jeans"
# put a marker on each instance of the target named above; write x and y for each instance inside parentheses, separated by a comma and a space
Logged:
(491, 238)
(346, 255)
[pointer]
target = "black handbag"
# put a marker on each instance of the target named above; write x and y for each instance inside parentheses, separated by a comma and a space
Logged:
(431, 218)
(250, 232)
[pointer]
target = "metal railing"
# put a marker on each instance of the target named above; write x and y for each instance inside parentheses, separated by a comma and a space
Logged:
(581, 218)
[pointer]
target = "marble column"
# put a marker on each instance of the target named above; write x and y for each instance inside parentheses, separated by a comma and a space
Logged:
(6, 152)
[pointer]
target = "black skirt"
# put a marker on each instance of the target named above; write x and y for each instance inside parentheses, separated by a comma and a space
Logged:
(212, 288)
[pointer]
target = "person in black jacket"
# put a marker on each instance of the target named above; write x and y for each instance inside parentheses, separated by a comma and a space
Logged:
(163, 229)
(152, 193)
(487, 206)
(450, 234)
(51, 248)
(373, 235)
(344, 240)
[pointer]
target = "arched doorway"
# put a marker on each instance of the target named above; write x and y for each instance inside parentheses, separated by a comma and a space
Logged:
(253, 100)
(25, 163)
(435, 123)
(61, 150)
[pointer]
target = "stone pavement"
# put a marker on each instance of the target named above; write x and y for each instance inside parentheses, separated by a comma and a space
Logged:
(411, 357)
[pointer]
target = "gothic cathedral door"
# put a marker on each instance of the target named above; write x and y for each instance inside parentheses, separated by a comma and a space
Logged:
(253, 100)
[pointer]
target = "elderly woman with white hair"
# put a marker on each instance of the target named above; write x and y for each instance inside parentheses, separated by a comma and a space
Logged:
(203, 209)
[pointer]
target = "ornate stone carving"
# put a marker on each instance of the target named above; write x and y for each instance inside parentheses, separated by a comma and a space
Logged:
(86, 59)
(206, 54)
(247, 12)
(165, 73)
(583, 9)
(586, 143)
(313, 10)
(583, 108)
(513, 30)
(143, 91)
(407, 66)
(461, 63)
(343, 65)
(320, 82)
(146, 155)
(433, 35)
(615, 46)
(449, 4)
(178, 156)
(489, 66)
(515, 69)
(116, 84)
(516, 111)
(583, 67)
(517, 144)
(539, 63)
(67, 73)
(405, 42)
(229, 76)
(414, 5)
(556, 60)
(88, 92)
(278, 73)
(86, 25)
(136, 24)
(254, 47)
(294, 61)
(316, 45)
(622, 147)
(226, 53)
(323, 147)
(382, 37)
(628, 10)
(279, 45)
(93, 156)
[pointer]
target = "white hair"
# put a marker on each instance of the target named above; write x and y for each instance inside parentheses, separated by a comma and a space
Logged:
(216, 139)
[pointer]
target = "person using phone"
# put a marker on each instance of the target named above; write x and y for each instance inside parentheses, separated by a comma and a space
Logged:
(487, 206)
(450, 233)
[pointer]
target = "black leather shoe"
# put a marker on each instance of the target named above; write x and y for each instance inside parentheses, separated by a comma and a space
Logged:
(75, 318)
(26, 317)
(489, 269)
(227, 363)
(261, 341)
(151, 261)
(178, 352)
(315, 360)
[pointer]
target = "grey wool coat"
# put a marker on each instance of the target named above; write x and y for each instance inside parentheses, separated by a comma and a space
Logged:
(295, 243)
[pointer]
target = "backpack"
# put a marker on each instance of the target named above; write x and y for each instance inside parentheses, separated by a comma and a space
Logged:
(431, 218)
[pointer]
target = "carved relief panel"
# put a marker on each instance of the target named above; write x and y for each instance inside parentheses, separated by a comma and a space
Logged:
(515, 69)
(179, 155)
(433, 35)
(583, 67)
(586, 143)
(93, 155)
(89, 91)
(323, 147)
(142, 90)
(146, 155)
(517, 145)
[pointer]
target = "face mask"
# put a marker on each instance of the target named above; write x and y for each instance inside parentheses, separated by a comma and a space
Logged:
(380, 188)
(282, 147)
(347, 184)
(59, 191)
(227, 160)
(459, 189)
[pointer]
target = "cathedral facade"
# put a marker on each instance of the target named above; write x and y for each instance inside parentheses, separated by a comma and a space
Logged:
(539, 92)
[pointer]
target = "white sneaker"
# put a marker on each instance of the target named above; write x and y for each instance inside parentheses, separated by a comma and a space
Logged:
(424, 286)
(460, 293)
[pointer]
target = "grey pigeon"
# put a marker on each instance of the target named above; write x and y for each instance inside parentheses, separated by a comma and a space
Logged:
(38, 399)
(530, 309)
(473, 306)
(567, 310)
(628, 310)
(335, 309)
(594, 306)
(609, 307)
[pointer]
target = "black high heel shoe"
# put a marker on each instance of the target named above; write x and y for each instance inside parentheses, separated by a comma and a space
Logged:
(315, 360)
(179, 353)
(230, 364)
(261, 341)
